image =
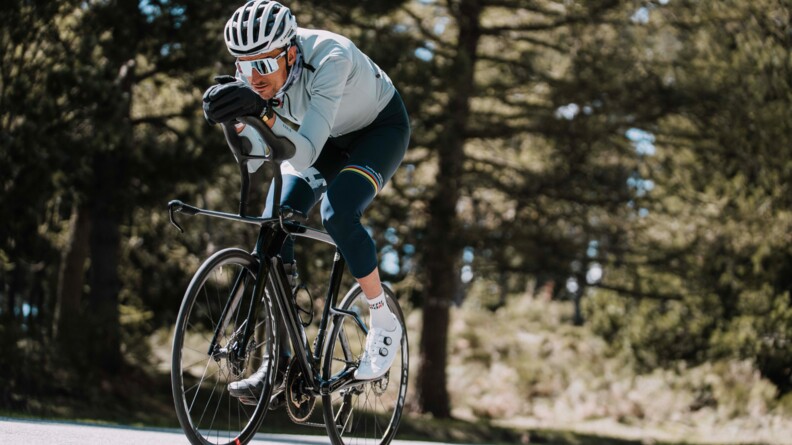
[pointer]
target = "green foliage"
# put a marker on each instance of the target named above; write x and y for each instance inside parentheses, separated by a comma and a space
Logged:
(606, 315)
(710, 260)
(99, 109)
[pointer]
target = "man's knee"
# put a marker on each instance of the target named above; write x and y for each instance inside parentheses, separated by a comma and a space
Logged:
(296, 193)
(338, 219)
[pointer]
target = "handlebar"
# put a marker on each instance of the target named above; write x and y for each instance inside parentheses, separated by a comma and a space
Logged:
(276, 150)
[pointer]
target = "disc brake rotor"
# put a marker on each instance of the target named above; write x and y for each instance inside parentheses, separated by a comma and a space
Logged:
(236, 362)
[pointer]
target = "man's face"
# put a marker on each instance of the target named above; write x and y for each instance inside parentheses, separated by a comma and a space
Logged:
(266, 85)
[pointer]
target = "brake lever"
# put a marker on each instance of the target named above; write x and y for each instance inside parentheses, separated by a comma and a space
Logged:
(175, 206)
(288, 213)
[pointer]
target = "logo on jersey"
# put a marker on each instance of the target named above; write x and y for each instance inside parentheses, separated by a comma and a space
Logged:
(311, 175)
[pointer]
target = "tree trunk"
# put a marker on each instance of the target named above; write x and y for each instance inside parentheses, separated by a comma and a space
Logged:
(108, 208)
(443, 248)
(67, 322)
(106, 216)
(15, 278)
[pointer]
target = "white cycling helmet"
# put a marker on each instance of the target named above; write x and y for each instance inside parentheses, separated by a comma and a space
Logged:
(259, 26)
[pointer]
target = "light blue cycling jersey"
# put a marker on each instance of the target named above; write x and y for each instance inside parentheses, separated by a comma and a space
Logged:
(340, 90)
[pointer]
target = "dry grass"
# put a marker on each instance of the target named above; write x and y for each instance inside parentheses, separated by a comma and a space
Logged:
(527, 366)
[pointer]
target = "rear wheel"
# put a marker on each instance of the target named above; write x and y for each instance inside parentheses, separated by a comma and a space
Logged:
(369, 413)
(206, 356)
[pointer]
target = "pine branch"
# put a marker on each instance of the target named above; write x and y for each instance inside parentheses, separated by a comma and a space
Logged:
(500, 131)
(638, 294)
(521, 4)
(426, 34)
(162, 121)
(539, 42)
(534, 27)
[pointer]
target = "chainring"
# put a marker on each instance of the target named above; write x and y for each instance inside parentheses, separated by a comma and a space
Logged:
(299, 402)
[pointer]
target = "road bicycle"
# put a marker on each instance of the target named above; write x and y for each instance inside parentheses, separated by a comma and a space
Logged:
(227, 327)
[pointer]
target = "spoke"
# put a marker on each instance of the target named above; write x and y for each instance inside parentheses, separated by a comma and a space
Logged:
(199, 330)
(236, 299)
(384, 411)
(198, 385)
(209, 308)
(359, 416)
(217, 408)
(239, 416)
(206, 359)
(258, 325)
(223, 271)
(211, 396)
(203, 376)
(228, 418)
(238, 303)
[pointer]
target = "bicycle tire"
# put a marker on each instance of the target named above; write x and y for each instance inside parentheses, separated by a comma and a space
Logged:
(195, 327)
(348, 414)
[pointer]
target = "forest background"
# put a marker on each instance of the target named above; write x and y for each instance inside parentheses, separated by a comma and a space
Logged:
(594, 217)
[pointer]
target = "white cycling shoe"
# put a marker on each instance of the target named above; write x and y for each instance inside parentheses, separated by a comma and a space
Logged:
(381, 349)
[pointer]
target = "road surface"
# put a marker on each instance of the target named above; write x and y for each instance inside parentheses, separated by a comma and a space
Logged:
(43, 432)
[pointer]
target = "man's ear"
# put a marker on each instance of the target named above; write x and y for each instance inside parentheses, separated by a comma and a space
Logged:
(291, 57)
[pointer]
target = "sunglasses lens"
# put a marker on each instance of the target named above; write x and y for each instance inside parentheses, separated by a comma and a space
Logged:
(267, 66)
(245, 67)
(263, 66)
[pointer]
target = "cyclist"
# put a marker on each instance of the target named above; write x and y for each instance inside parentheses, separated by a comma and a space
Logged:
(350, 130)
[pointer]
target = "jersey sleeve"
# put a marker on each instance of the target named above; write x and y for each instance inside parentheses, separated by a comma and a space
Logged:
(325, 92)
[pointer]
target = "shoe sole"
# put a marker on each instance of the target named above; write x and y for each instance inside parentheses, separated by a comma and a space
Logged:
(251, 399)
(276, 401)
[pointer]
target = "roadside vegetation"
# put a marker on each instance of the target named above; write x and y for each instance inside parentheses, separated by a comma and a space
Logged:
(522, 373)
(591, 231)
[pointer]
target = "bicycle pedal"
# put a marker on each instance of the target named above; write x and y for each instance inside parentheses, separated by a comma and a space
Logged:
(277, 401)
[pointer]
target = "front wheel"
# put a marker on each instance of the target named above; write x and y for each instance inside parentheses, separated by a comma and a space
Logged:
(368, 413)
(206, 353)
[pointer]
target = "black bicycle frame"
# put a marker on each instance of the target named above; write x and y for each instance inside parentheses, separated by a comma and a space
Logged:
(271, 267)
(272, 234)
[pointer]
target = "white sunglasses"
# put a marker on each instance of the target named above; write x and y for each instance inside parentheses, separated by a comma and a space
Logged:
(263, 66)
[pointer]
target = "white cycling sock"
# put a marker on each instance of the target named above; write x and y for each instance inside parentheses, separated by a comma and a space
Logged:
(381, 315)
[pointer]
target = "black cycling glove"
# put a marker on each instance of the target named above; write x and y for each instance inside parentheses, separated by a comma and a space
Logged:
(231, 98)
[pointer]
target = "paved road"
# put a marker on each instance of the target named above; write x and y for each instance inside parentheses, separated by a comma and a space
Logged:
(41, 432)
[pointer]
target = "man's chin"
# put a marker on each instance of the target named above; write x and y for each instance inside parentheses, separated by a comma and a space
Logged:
(265, 94)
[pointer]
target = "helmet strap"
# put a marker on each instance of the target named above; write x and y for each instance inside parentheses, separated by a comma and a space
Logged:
(294, 70)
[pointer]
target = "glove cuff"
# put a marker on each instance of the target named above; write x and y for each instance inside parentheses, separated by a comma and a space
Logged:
(268, 111)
